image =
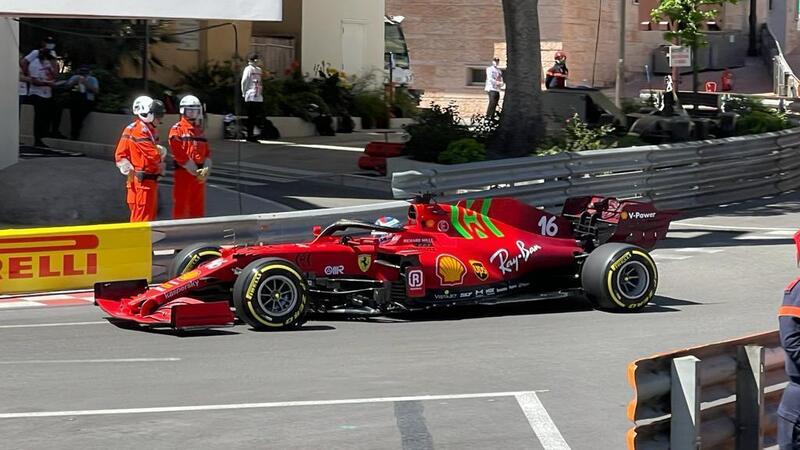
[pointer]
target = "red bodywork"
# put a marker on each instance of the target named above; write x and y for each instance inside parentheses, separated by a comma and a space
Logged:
(445, 254)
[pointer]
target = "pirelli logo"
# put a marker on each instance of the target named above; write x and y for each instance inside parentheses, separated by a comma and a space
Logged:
(48, 256)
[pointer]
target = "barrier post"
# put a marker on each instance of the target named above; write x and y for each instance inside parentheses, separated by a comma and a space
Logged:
(750, 397)
(685, 404)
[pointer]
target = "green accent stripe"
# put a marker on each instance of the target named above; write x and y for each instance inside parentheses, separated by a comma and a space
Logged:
(486, 220)
(457, 224)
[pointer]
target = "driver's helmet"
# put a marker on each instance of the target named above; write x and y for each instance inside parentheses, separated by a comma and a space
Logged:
(385, 221)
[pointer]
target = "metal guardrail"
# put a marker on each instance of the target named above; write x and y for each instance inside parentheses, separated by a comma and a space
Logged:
(689, 175)
(170, 236)
(785, 83)
(722, 395)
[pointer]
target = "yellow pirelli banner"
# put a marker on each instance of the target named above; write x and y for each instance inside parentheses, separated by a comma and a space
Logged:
(49, 259)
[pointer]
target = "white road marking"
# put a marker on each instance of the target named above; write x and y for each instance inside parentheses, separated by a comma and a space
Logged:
(45, 325)
(18, 304)
(540, 421)
(709, 251)
(168, 409)
(164, 252)
(669, 257)
(88, 361)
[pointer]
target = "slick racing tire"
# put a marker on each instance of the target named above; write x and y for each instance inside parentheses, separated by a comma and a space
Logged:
(192, 256)
(619, 277)
(271, 294)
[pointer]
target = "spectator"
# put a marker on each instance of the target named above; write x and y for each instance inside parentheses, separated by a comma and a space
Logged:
(558, 74)
(84, 91)
(252, 88)
(494, 80)
(48, 44)
(40, 93)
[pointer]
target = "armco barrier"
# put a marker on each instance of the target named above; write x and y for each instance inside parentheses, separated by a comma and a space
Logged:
(171, 236)
(680, 176)
(717, 396)
(48, 259)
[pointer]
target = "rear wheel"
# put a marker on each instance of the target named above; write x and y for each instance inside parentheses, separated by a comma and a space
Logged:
(619, 277)
(271, 294)
(191, 257)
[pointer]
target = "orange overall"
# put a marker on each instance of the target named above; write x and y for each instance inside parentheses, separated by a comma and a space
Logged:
(188, 143)
(138, 145)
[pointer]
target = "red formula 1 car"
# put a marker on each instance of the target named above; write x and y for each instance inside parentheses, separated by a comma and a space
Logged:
(476, 251)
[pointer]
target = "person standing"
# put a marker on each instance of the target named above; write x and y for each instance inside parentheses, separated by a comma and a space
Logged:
(140, 158)
(84, 91)
(558, 74)
(494, 81)
(40, 94)
(189, 148)
(48, 44)
(252, 92)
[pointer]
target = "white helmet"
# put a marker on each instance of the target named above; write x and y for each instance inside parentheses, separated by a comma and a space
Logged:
(148, 109)
(191, 107)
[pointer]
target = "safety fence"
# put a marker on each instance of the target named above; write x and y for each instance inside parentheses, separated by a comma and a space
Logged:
(53, 259)
(718, 396)
(679, 176)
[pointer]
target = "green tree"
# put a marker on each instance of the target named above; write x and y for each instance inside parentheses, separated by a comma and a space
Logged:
(686, 19)
(102, 43)
(521, 126)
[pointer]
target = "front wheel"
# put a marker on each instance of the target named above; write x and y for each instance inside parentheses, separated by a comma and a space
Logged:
(191, 257)
(619, 277)
(271, 294)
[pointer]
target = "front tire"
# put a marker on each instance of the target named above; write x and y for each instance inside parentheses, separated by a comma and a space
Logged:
(271, 294)
(191, 257)
(619, 277)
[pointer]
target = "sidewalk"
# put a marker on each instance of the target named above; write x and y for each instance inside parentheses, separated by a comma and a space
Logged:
(271, 176)
(753, 78)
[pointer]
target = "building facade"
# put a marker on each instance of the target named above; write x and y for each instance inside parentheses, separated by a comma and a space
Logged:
(452, 42)
(347, 34)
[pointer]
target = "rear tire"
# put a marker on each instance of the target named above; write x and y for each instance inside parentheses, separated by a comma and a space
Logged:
(271, 294)
(619, 277)
(191, 257)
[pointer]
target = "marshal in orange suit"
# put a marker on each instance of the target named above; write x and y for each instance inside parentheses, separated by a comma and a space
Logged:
(189, 148)
(140, 157)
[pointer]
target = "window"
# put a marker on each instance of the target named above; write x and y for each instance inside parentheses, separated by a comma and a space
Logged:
(476, 76)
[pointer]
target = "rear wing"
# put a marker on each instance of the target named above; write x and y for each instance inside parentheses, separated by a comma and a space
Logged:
(626, 221)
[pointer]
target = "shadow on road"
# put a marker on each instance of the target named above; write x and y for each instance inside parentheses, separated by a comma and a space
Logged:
(786, 203)
(718, 239)
(662, 304)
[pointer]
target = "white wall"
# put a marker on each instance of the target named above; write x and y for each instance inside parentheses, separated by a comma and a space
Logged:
(323, 23)
(9, 99)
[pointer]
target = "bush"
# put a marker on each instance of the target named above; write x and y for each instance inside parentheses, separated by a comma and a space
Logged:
(756, 122)
(463, 151)
(579, 136)
(213, 83)
(372, 109)
(435, 129)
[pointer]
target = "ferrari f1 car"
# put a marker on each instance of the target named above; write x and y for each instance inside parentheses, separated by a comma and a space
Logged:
(473, 252)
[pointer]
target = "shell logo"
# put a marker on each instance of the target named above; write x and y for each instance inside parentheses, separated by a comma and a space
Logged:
(624, 215)
(450, 270)
(189, 276)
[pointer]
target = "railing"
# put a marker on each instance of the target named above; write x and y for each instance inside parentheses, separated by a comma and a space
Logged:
(784, 81)
(674, 176)
(722, 395)
(680, 176)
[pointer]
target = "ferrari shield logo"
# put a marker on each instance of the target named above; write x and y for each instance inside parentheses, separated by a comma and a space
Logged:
(364, 262)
